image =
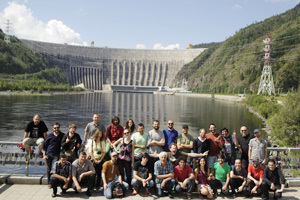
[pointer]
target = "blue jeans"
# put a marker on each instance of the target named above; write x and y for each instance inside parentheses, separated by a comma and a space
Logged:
(189, 187)
(52, 158)
(169, 186)
(135, 184)
(108, 193)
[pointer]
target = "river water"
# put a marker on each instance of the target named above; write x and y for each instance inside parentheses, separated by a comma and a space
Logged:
(16, 111)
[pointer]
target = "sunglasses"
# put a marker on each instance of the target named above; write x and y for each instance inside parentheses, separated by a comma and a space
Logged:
(126, 132)
(55, 127)
(255, 161)
(243, 130)
(170, 123)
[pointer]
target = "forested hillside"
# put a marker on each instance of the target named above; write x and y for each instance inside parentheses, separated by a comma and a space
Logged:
(237, 63)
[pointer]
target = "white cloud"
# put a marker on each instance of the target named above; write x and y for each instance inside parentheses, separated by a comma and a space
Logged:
(237, 6)
(170, 46)
(26, 26)
(140, 46)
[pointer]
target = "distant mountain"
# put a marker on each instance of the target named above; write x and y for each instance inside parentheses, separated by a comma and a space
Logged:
(237, 63)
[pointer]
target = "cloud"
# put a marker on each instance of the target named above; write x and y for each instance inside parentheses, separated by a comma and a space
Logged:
(81, 12)
(170, 46)
(140, 46)
(26, 26)
(237, 6)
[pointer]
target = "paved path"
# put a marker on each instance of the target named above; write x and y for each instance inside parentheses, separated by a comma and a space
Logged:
(41, 192)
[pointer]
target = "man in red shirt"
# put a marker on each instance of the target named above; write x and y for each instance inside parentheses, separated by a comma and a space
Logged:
(184, 177)
(255, 177)
(114, 132)
(216, 142)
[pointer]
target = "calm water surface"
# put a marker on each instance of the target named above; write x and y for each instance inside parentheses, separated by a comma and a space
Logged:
(17, 111)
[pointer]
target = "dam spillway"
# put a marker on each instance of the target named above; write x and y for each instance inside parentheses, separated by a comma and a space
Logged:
(105, 68)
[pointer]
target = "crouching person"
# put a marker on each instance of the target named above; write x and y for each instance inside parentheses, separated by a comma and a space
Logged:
(238, 178)
(83, 173)
(142, 174)
(164, 175)
(61, 175)
(109, 170)
(184, 177)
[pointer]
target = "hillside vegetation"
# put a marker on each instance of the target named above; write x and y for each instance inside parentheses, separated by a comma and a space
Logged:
(235, 65)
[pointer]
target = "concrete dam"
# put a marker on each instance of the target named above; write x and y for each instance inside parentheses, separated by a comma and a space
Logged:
(117, 69)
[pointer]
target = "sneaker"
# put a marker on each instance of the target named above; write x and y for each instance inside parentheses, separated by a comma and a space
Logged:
(134, 192)
(64, 191)
(147, 191)
(171, 196)
(189, 197)
(53, 195)
(215, 195)
(88, 193)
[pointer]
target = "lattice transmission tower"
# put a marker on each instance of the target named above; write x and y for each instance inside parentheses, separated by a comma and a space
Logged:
(6, 37)
(266, 84)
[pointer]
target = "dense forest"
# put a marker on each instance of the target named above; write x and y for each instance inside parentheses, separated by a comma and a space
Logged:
(235, 65)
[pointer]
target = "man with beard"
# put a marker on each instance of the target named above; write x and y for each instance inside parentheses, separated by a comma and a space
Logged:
(156, 139)
(238, 178)
(114, 132)
(170, 135)
(273, 180)
(229, 146)
(90, 129)
(255, 177)
(258, 148)
(201, 144)
(83, 173)
(52, 148)
(71, 143)
(215, 146)
(243, 144)
(220, 176)
(185, 140)
(109, 170)
(35, 133)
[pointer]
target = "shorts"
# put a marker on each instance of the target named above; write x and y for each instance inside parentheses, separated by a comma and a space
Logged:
(206, 186)
(33, 141)
(211, 160)
(88, 142)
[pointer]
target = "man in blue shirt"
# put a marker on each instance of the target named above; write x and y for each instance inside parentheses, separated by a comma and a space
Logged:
(170, 135)
(52, 148)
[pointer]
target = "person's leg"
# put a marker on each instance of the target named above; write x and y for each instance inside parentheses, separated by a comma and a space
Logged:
(40, 144)
(178, 188)
(225, 192)
(190, 186)
(121, 165)
(128, 171)
(169, 186)
(135, 184)
(150, 184)
(265, 188)
(216, 184)
(49, 165)
(91, 182)
(27, 143)
(159, 191)
(54, 184)
(108, 192)
(125, 187)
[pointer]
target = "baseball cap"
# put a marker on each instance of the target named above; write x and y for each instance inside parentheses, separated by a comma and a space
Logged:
(256, 131)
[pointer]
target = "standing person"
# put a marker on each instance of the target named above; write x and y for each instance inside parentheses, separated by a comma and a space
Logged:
(201, 174)
(229, 147)
(97, 153)
(185, 140)
(164, 175)
(130, 125)
(35, 133)
(184, 177)
(113, 133)
(273, 180)
(83, 173)
(201, 144)
(243, 145)
(71, 143)
(109, 171)
(258, 148)
(255, 177)
(156, 139)
(125, 155)
(238, 178)
(220, 176)
(61, 174)
(140, 140)
(52, 148)
(215, 145)
(142, 174)
(91, 128)
(170, 135)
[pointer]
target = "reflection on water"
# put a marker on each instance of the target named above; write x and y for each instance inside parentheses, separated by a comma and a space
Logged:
(17, 111)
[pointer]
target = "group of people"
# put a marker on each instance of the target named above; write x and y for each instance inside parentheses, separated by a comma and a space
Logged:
(164, 159)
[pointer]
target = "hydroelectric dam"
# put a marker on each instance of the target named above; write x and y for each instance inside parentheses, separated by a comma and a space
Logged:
(98, 68)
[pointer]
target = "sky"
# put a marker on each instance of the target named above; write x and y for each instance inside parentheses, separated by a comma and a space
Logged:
(135, 24)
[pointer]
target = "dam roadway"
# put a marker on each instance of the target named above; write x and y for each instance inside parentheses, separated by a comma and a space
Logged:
(100, 68)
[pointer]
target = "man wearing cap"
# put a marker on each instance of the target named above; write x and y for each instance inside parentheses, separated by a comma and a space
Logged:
(185, 140)
(109, 170)
(258, 148)
(170, 135)
(255, 177)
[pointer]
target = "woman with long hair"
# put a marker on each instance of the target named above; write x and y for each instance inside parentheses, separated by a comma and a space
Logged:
(130, 125)
(125, 155)
(97, 153)
(202, 178)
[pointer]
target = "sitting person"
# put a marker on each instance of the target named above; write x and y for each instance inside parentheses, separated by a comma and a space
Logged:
(61, 175)
(238, 178)
(142, 174)
(273, 180)
(255, 177)
(220, 176)
(83, 173)
(184, 177)
(164, 174)
(109, 170)
(201, 174)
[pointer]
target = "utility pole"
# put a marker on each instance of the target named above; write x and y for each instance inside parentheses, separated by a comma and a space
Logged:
(6, 37)
(266, 84)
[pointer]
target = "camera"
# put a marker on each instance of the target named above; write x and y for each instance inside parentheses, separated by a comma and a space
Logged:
(99, 152)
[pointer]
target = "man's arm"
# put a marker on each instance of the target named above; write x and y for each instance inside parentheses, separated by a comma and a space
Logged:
(85, 137)
(166, 176)
(45, 135)
(197, 154)
(249, 152)
(76, 183)
(232, 175)
(266, 153)
(188, 146)
(26, 135)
